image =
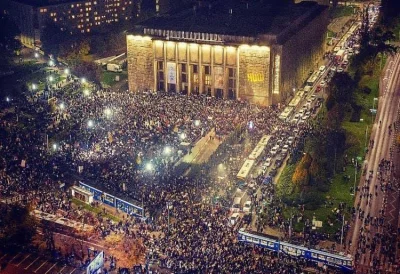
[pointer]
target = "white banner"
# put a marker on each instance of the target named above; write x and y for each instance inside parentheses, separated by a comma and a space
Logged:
(171, 73)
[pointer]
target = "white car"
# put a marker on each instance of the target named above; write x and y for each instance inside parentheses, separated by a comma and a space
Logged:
(322, 84)
(285, 149)
(322, 68)
(268, 162)
(234, 218)
(247, 206)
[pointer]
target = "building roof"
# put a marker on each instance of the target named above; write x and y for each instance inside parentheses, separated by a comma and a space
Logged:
(43, 3)
(234, 17)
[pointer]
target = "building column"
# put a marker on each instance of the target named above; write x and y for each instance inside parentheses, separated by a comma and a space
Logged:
(178, 71)
(212, 70)
(200, 70)
(165, 66)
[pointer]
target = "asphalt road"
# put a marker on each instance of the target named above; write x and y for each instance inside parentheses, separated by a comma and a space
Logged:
(389, 101)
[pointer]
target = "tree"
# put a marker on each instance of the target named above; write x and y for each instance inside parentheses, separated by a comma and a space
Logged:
(89, 70)
(17, 227)
(342, 87)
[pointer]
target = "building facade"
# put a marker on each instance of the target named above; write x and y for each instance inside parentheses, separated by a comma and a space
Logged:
(262, 68)
(75, 17)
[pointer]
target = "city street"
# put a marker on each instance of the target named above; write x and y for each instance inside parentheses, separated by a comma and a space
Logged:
(380, 147)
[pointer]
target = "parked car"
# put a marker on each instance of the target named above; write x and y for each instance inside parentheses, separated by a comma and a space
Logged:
(247, 207)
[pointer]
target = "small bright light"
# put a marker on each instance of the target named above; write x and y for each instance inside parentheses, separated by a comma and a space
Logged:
(167, 150)
(54, 146)
(86, 92)
(149, 166)
(62, 106)
(8, 99)
(107, 112)
(182, 136)
(36, 55)
(83, 80)
(34, 86)
(251, 125)
(51, 78)
(90, 123)
(197, 123)
(51, 63)
(66, 71)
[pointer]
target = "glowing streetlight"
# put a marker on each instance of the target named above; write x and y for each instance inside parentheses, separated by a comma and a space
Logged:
(90, 123)
(167, 150)
(8, 99)
(107, 112)
(51, 63)
(149, 166)
(51, 78)
(86, 92)
(54, 146)
(182, 136)
(66, 71)
(197, 123)
(62, 106)
(36, 55)
(83, 80)
(34, 86)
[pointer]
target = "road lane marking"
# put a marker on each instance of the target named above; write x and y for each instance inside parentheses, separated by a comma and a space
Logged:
(3, 256)
(50, 268)
(72, 271)
(14, 257)
(40, 266)
(24, 259)
(32, 263)
(62, 269)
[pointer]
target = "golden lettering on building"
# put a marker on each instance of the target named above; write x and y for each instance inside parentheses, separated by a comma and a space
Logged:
(255, 77)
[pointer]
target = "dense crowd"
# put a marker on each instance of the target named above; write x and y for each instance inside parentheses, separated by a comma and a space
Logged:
(112, 135)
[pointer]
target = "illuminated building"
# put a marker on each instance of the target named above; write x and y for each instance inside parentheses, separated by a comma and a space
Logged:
(71, 16)
(231, 49)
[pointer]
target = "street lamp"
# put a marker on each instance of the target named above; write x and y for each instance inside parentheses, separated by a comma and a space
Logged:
(51, 78)
(90, 123)
(86, 92)
(66, 71)
(51, 63)
(36, 55)
(34, 87)
(8, 99)
(62, 106)
(108, 112)
(197, 123)
(54, 147)
(149, 166)
(83, 80)
(167, 150)
(182, 136)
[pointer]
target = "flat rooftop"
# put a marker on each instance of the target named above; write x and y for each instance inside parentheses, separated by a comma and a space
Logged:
(43, 3)
(234, 17)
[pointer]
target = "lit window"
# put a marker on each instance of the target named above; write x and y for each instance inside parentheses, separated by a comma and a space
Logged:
(73, 16)
(88, 30)
(72, 6)
(55, 19)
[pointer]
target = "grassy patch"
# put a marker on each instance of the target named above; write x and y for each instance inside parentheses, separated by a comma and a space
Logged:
(108, 77)
(95, 210)
(284, 185)
(341, 11)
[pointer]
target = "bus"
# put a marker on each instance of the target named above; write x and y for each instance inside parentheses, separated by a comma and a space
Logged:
(286, 113)
(245, 170)
(313, 78)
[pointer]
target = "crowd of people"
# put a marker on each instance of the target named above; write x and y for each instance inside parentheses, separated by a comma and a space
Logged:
(113, 135)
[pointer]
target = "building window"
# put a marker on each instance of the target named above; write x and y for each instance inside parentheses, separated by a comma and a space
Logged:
(231, 83)
(160, 75)
(207, 81)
